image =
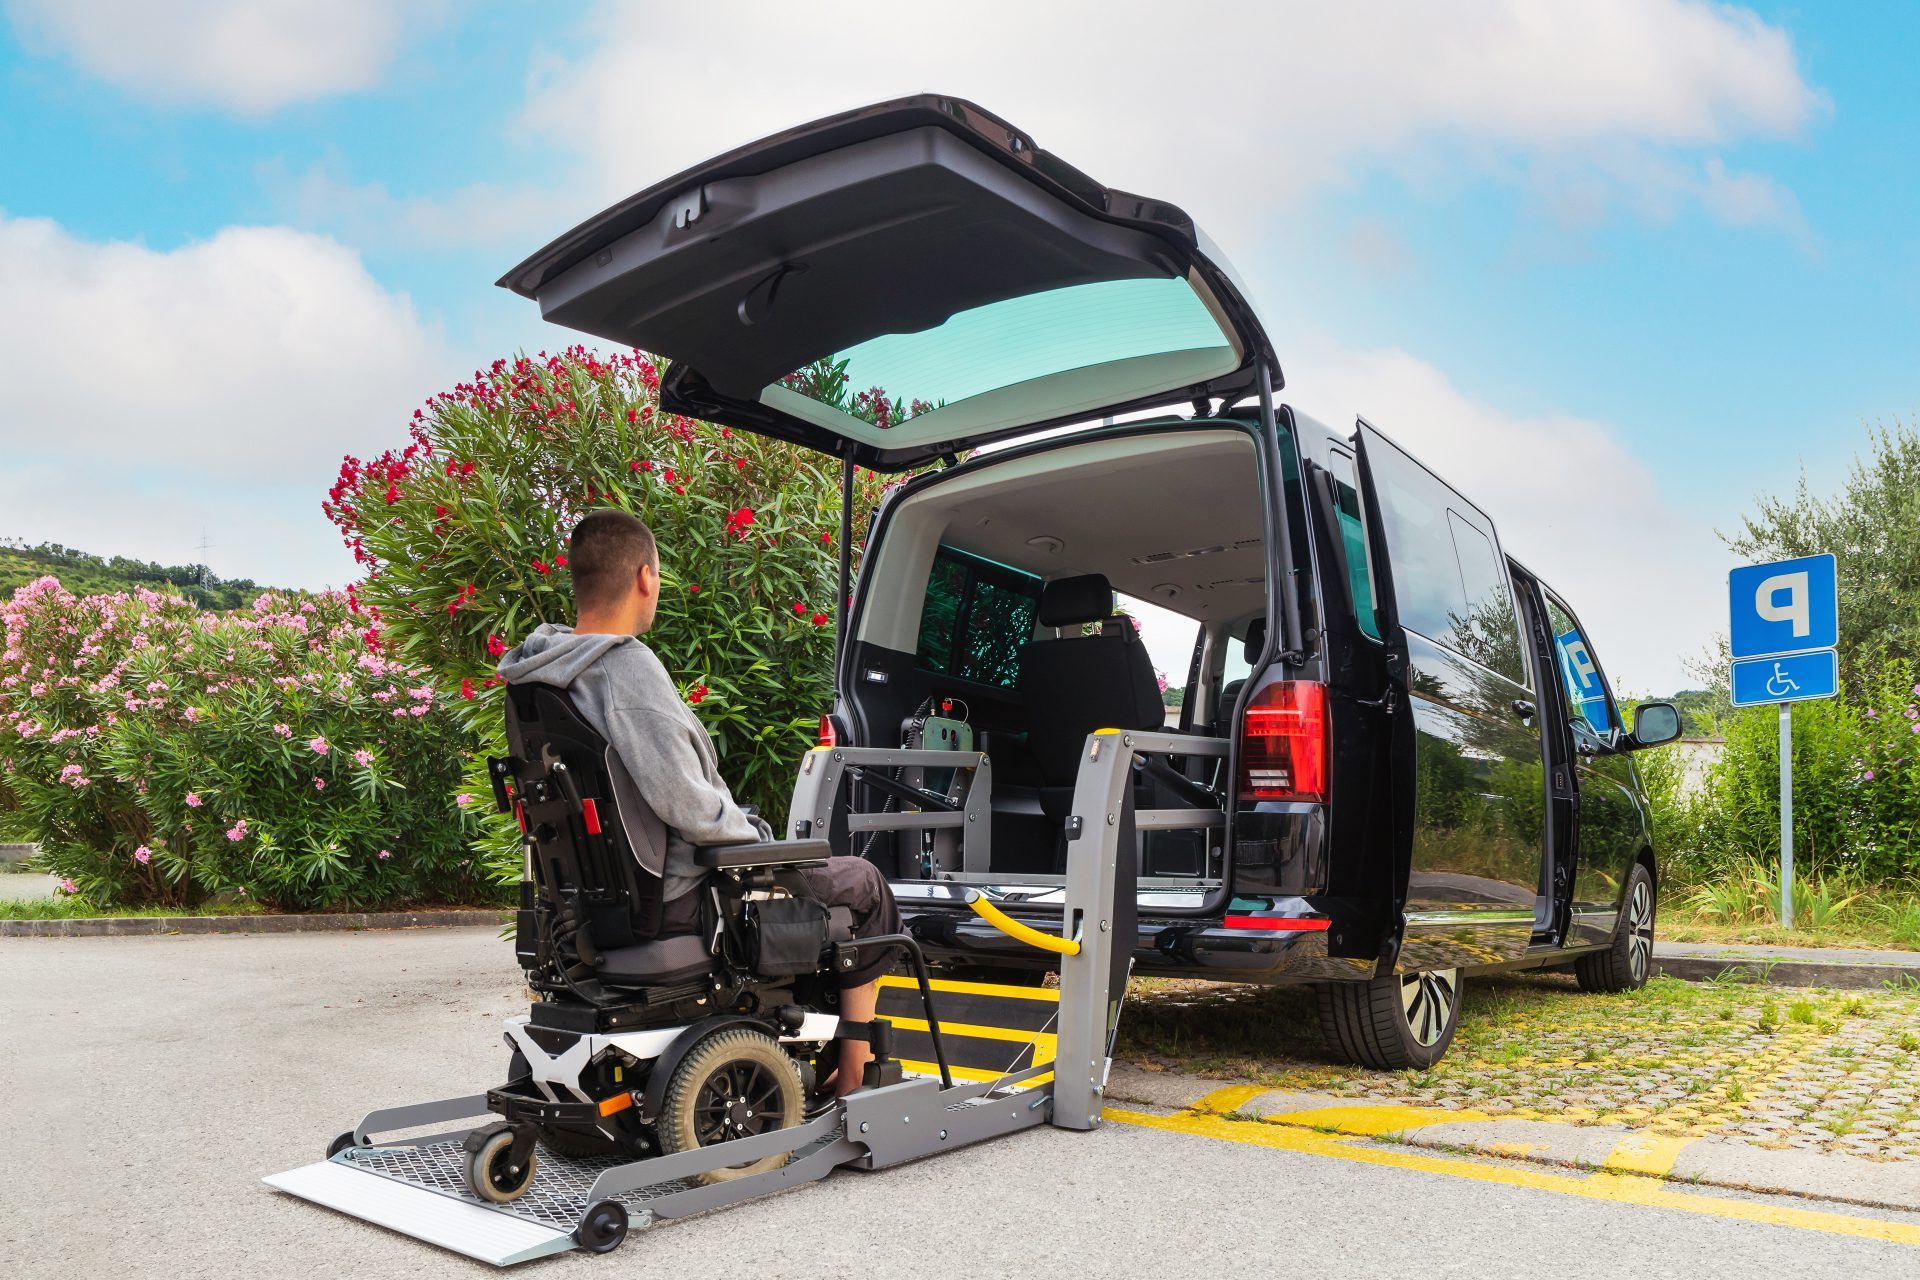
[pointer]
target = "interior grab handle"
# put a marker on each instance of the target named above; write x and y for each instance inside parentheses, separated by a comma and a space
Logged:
(1017, 931)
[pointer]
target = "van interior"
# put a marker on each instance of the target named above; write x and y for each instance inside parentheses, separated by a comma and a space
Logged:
(991, 600)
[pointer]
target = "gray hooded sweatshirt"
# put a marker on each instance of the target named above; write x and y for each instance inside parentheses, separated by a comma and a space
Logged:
(661, 751)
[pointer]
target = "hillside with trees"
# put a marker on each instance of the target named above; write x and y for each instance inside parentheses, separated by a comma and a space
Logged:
(86, 574)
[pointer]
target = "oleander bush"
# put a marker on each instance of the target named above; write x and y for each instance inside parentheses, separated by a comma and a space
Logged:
(159, 754)
(462, 535)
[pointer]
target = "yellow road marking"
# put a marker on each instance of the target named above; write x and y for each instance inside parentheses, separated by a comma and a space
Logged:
(1047, 995)
(1652, 1154)
(1230, 1099)
(1618, 1188)
(1371, 1121)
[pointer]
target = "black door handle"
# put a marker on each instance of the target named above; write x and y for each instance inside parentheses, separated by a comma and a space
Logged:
(1522, 708)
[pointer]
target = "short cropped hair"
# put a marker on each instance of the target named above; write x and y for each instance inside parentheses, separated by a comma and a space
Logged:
(607, 548)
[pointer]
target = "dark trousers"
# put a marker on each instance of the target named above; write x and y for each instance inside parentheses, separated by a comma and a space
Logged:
(853, 883)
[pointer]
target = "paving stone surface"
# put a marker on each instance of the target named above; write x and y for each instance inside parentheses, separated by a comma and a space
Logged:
(1811, 1070)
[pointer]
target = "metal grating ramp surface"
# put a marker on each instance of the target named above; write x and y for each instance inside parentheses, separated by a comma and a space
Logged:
(432, 1202)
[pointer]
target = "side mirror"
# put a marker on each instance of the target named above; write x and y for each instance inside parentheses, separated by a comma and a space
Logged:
(1653, 724)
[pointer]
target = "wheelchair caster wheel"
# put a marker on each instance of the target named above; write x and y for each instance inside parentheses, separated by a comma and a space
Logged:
(492, 1172)
(340, 1144)
(604, 1227)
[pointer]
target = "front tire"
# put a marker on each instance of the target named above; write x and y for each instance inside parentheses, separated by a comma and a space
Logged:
(733, 1084)
(492, 1173)
(1627, 963)
(1392, 1023)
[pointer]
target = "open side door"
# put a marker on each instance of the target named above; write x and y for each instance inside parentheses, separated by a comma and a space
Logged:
(1387, 883)
(901, 282)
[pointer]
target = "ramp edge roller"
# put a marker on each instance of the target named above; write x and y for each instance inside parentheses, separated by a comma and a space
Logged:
(481, 1234)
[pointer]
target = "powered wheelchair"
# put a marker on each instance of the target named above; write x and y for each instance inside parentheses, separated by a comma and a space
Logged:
(642, 1042)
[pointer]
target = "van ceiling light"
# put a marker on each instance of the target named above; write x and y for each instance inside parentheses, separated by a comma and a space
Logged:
(1047, 543)
(1166, 590)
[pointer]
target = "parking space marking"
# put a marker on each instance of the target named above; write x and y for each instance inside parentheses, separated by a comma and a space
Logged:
(1651, 1154)
(1620, 1188)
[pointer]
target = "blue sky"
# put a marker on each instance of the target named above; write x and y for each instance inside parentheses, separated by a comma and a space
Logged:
(1614, 269)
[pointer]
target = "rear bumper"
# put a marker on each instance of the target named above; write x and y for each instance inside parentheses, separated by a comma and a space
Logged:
(1168, 948)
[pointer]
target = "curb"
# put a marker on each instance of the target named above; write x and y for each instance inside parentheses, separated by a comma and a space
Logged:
(150, 926)
(1785, 973)
(1694, 1161)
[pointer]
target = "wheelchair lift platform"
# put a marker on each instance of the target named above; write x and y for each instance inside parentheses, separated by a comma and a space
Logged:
(1018, 1057)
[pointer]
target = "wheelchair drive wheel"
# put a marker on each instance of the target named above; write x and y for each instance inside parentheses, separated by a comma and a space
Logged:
(493, 1172)
(734, 1084)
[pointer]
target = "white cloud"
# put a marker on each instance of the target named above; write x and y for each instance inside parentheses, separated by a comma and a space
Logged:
(369, 215)
(248, 56)
(1571, 503)
(219, 382)
(1228, 111)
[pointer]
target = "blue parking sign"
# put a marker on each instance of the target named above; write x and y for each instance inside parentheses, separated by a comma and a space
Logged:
(1787, 607)
(1793, 677)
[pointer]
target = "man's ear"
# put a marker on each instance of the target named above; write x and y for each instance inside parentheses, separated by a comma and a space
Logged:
(648, 580)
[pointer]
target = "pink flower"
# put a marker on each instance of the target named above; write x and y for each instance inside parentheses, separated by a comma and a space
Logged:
(193, 801)
(463, 799)
(143, 855)
(363, 757)
(384, 854)
(1869, 775)
(238, 831)
(68, 886)
(283, 731)
(319, 784)
(319, 746)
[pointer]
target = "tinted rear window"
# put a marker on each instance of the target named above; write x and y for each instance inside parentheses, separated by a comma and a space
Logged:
(976, 619)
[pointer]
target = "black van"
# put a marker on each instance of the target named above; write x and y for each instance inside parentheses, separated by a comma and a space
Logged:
(1418, 769)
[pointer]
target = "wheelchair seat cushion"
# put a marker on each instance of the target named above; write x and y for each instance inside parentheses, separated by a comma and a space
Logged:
(662, 961)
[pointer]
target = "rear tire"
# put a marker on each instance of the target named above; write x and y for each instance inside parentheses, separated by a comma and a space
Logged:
(733, 1084)
(1628, 962)
(1392, 1023)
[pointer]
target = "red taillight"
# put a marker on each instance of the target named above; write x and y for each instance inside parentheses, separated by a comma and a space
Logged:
(1283, 753)
(829, 737)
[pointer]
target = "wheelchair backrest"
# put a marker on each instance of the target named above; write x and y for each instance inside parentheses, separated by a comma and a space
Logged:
(578, 847)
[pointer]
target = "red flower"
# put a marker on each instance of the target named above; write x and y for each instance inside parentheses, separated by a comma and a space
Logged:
(439, 512)
(739, 522)
(495, 645)
(560, 562)
(819, 619)
(667, 475)
(634, 466)
(633, 415)
(540, 567)
(679, 488)
(694, 590)
(696, 693)
(739, 464)
(466, 688)
(826, 539)
(798, 607)
(372, 638)
(393, 494)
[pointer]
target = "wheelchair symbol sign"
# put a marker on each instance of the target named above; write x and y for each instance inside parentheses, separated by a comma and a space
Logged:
(1795, 677)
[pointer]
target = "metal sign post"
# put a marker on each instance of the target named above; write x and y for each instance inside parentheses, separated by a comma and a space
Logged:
(1785, 626)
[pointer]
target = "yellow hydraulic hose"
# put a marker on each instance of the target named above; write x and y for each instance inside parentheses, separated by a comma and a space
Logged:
(1017, 931)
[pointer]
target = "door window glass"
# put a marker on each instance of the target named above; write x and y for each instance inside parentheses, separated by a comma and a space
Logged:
(976, 619)
(1449, 582)
(1169, 638)
(1353, 539)
(1580, 678)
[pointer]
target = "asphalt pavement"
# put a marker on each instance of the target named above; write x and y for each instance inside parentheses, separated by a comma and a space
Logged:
(150, 1083)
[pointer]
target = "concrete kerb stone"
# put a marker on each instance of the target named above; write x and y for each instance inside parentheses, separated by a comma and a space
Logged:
(1705, 1161)
(1786, 973)
(147, 926)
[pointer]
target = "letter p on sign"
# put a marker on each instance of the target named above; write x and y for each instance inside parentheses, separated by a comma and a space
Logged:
(1766, 601)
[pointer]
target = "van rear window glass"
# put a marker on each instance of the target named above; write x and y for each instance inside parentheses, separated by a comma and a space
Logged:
(976, 619)
(1449, 582)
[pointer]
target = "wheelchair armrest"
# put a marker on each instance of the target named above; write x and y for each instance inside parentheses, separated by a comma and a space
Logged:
(763, 853)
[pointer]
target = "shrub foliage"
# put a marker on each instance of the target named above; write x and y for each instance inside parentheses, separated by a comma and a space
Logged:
(462, 534)
(161, 754)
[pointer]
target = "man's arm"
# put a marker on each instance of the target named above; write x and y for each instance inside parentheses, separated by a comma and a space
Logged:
(672, 779)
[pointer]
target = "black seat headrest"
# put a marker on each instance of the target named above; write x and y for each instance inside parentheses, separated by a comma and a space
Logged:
(1256, 639)
(1067, 601)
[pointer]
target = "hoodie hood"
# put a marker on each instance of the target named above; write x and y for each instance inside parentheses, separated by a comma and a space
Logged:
(556, 655)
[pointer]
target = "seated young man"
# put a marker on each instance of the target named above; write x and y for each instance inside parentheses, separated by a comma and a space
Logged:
(624, 692)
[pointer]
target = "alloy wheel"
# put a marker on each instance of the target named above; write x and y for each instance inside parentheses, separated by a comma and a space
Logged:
(1640, 930)
(1428, 1000)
